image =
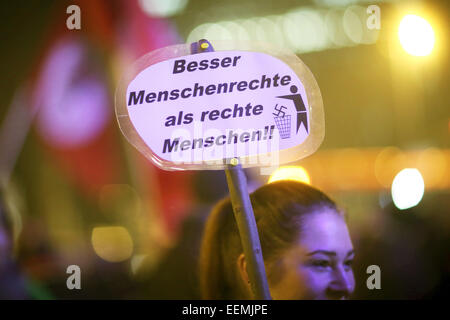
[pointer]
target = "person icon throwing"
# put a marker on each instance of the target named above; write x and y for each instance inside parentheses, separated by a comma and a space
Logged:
(299, 106)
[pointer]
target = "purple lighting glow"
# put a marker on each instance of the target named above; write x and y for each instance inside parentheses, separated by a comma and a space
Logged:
(73, 106)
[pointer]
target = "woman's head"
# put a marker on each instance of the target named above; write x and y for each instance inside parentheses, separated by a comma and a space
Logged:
(306, 247)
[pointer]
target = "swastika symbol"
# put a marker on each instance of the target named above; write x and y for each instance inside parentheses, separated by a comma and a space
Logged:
(280, 113)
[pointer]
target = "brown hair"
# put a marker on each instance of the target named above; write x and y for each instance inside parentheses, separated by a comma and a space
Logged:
(279, 209)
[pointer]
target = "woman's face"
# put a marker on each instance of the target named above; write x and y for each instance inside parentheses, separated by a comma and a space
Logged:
(319, 266)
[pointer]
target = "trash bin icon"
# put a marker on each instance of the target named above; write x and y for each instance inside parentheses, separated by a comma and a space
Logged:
(284, 126)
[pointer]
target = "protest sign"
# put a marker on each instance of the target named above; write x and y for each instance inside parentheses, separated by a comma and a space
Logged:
(250, 101)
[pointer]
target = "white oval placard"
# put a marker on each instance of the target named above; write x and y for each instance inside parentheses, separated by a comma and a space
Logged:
(194, 111)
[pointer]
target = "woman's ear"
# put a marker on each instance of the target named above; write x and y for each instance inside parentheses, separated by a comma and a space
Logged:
(242, 267)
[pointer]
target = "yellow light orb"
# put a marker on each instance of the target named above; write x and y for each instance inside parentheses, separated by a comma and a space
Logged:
(416, 35)
(296, 173)
(112, 244)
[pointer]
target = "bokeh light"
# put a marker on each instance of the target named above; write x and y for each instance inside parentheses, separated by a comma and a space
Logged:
(236, 29)
(163, 8)
(296, 173)
(73, 105)
(198, 33)
(351, 161)
(407, 188)
(416, 35)
(353, 26)
(432, 163)
(112, 244)
(335, 28)
(137, 261)
(302, 29)
(217, 32)
(388, 162)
